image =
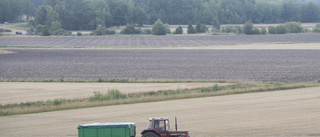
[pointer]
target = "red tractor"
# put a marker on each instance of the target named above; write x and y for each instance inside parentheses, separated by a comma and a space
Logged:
(159, 127)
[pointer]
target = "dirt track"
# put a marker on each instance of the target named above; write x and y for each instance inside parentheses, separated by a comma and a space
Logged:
(281, 113)
(18, 92)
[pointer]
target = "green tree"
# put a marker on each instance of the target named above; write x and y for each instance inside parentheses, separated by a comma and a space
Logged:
(198, 28)
(191, 30)
(168, 30)
(159, 28)
(55, 26)
(178, 30)
(317, 28)
(294, 27)
(45, 31)
(272, 30)
(248, 28)
(281, 29)
(130, 30)
(139, 16)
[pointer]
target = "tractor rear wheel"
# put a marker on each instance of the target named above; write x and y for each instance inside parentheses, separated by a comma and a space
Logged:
(150, 134)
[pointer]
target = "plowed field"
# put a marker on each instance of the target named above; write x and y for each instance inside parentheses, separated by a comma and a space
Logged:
(154, 41)
(163, 64)
(281, 113)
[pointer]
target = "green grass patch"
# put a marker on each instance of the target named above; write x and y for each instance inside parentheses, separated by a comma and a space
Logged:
(115, 97)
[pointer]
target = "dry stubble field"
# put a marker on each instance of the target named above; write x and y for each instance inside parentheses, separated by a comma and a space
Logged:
(286, 113)
(280, 113)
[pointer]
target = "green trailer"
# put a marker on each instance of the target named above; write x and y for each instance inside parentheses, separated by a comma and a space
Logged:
(107, 130)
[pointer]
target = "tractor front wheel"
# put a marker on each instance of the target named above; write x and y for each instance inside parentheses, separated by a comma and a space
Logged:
(150, 134)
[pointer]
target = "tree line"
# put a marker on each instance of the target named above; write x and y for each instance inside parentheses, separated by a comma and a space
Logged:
(89, 14)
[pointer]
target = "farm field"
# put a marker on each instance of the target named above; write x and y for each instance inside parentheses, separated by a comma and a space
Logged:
(280, 113)
(21, 92)
(135, 41)
(258, 58)
(161, 64)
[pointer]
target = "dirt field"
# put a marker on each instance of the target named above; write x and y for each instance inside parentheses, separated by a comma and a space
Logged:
(280, 113)
(152, 41)
(164, 64)
(18, 92)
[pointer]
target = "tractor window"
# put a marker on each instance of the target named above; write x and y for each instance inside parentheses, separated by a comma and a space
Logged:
(167, 124)
(159, 125)
(150, 125)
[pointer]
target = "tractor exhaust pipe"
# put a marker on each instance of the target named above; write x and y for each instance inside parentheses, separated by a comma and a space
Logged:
(176, 124)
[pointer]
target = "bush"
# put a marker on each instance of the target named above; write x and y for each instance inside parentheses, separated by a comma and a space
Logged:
(61, 32)
(5, 30)
(110, 32)
(201, 28)
(248, 28)
(111, 95)
(215, 24)
(31, 30)
(256, 31)
(179, 30)
(130, 30)
(272, 30)
(159, 28)
(146, 31)
(231, 29)
(191, 30)
(168, 31)
(45, 31)
(101, 30)
(317, 28)
(263, 31)
(57, 102)
(281, 29)
(38, 29)
(294, 27)
(79, 34)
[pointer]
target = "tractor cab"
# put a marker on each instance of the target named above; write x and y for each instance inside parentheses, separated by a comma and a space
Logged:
(159, 127)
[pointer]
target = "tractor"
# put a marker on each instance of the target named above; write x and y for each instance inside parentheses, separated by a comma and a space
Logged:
(159, 127)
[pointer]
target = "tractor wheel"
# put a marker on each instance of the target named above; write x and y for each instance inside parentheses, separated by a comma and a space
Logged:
(150, 134)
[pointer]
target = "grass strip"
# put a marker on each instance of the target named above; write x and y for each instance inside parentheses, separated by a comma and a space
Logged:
(115, 97)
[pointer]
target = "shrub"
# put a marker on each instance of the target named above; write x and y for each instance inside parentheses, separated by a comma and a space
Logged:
(191, 30)
(231, 29)
(61, 32)
(263, 31)
(45, 31)
(31, 23)
(256, 31)
(100, 30)
(79, 34)
(215, 23)
(294, 27)
(317, 28)
(5, 30)
(248, 28)
(111, 95)
(168, 31)
(38, 29)
(179, 30)
(130, 30)
(57, 102)
(110, 32)
(281, 29)
(159, 28)
(201, 28)
(31, 30)
(215, 87)
(272, 30)
(146, 31)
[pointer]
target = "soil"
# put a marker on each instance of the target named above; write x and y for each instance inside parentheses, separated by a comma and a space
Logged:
(279, 113)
